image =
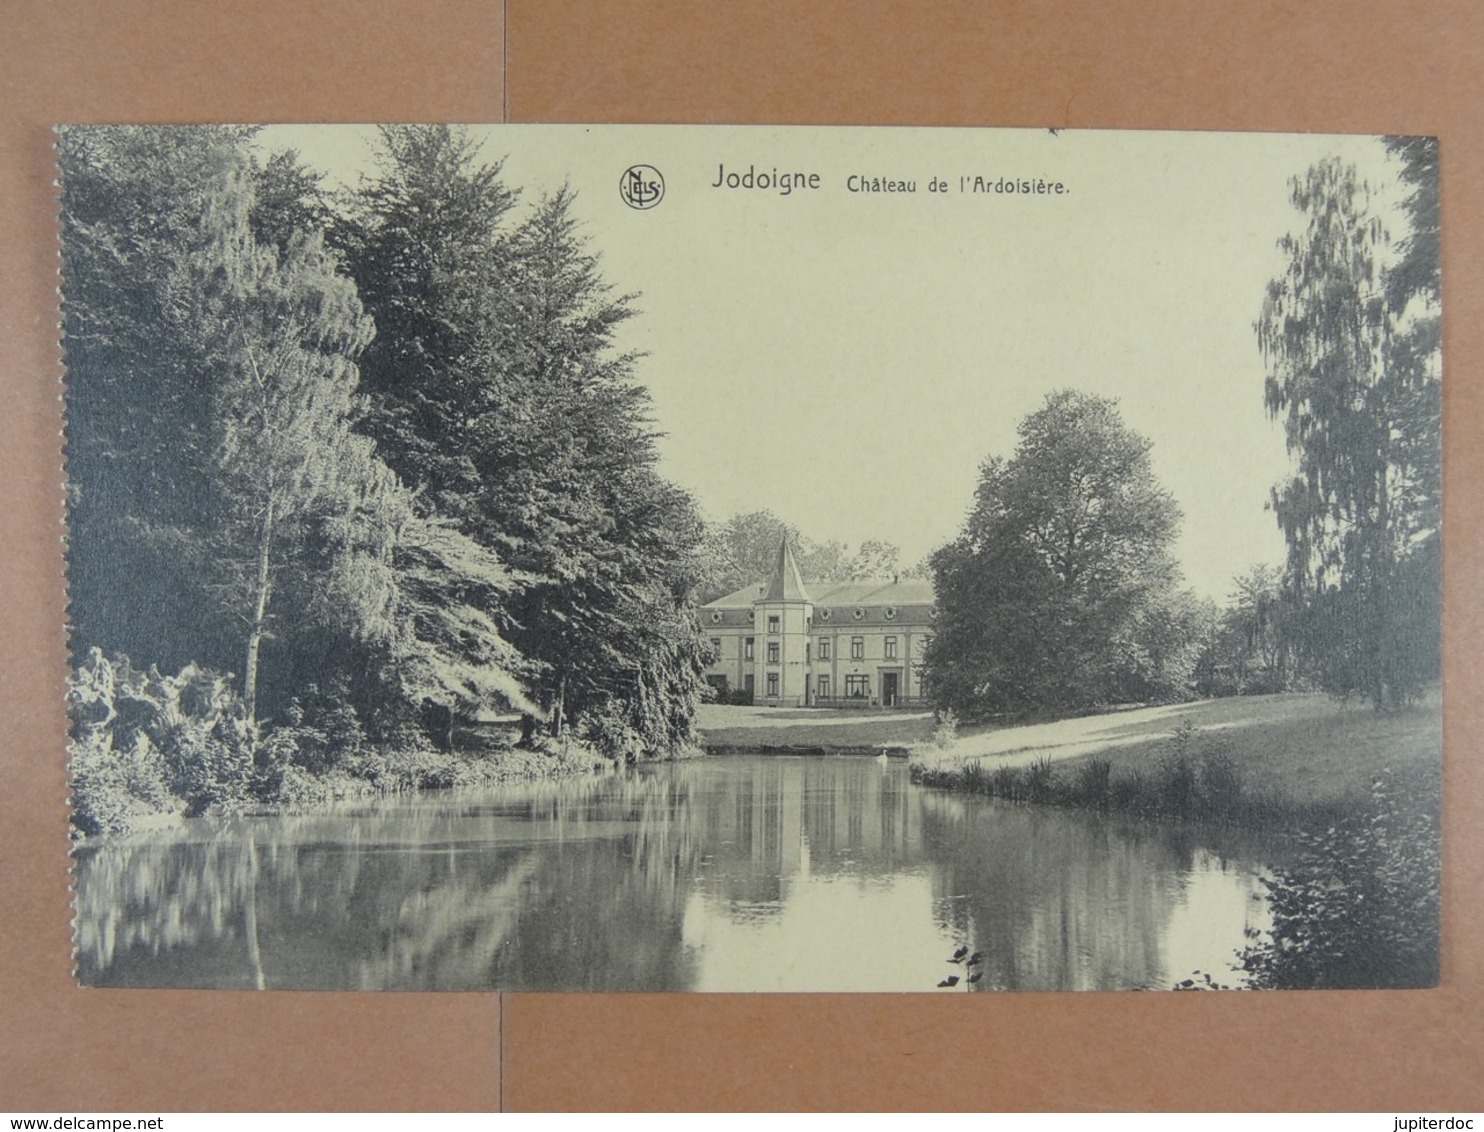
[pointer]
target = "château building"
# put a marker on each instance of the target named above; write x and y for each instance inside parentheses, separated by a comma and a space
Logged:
(827, 644)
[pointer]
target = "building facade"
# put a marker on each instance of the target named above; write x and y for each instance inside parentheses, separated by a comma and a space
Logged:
(826, 644)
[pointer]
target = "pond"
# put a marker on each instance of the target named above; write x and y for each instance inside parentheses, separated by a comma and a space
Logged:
(729, 873)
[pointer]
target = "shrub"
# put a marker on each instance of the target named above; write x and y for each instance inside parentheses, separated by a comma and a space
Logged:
(1040, 781)
(1093, 783)
(101, 802)
(945, 730)
(144, 742)
(211, 770)
(1177, 790)
(1360, 907)
(321, 729)
(1008, 782)
(608, 730)
(975, 778)
(1220, 783)
(1128, 792)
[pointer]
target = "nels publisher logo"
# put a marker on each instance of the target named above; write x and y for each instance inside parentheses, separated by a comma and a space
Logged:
(641, 186)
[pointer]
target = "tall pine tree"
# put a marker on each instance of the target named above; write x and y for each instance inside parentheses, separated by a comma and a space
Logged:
(503, 397)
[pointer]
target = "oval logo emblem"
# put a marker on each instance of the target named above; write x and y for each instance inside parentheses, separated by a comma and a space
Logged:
(641, 186)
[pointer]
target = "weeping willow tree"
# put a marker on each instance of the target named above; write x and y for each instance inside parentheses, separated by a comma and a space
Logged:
(288, 331)
(1349, 331)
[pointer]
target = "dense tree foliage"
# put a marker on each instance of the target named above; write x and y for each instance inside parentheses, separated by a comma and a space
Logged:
(221, 503)
(1245, 647)
(743, 550)
(369, 454)
(1061, 591)
(1350, 332)
(1360, 906)
(500, 396)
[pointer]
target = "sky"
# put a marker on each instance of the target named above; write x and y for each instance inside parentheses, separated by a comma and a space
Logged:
(848, 359)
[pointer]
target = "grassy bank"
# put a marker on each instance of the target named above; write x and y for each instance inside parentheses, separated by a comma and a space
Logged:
(1262, 761)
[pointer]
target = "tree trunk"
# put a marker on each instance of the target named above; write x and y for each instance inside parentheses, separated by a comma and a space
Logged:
(260, 616)
(559, 709)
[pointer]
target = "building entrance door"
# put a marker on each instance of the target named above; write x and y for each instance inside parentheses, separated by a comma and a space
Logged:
(888, 689)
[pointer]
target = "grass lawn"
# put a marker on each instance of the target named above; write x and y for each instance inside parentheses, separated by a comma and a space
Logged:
(1305, 748)
(724, 725)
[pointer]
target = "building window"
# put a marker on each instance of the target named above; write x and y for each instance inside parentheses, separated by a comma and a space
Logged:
(857, 648)
(747, 648)
(824, 648)
(857, 687)
(716, 647)
(773, 684)
(824, 687)
(772, 624)
(891, 648)
(772, 652)
(807, 648)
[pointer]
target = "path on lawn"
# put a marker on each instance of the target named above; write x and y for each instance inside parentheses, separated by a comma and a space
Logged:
(1072, 738)
(1303, 746)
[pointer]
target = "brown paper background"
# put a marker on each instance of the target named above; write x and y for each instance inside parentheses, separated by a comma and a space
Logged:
(1364, 66)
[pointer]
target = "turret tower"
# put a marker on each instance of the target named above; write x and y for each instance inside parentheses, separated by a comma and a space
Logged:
(782, 619)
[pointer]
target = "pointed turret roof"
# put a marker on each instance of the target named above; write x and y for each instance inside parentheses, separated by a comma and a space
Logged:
(787, 584)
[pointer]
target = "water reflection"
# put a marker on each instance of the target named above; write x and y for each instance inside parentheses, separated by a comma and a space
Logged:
(734, 873)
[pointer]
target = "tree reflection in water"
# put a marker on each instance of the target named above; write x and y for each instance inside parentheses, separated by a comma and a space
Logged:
(743, 872)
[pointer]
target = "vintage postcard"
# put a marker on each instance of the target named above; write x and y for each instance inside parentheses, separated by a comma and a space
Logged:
(752, 559)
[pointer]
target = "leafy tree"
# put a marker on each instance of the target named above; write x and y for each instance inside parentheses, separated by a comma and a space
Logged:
(1350, 335)
(874, 559)
(224, 509)
(212, 397)
(1162, 647)
(921, 569)
(1059, 592)
(292, 472)
(1245, 648)
(820, 561)
(744, 550)
(139, 206)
